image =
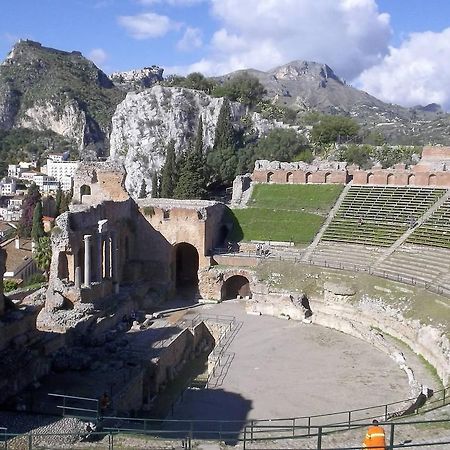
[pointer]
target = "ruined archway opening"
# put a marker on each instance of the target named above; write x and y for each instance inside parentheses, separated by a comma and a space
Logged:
(235, 287)
(84, 190)
(186, 266)
(63, 266)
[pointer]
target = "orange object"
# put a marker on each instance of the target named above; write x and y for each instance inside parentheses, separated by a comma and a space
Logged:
(375, 438)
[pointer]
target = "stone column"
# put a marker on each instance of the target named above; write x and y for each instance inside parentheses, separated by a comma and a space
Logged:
(99, 268)
(87, 260)
(77, 277)
(107, 258)
(115, 261)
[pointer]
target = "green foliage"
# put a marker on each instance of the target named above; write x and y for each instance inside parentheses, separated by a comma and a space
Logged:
(169, 172)
(273, 111)
(37, 230)
(334, 129)
(192, 181)
(156, 185)
(305, 156)
(66, 199)
(58, 200)
(280, 145)
(10, 285)
(148, 211)
(30, 201)
(194, 80)
(243, 88)
(223, 159)
(356, 154)
(43, 254)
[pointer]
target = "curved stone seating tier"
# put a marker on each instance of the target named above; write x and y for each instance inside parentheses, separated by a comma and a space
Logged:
(429, 265)
(436, 230)
(349, 255)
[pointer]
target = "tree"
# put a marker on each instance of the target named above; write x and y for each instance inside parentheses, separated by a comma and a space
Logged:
(143, 190)
(243, 88)
(280, 145)
(66, 198)
(192, 181)
(224, 134)
(43, 254)
(169, 172)
(332, 129)
(29, 203)
(156, 185)
(58, 199)
(37, 230)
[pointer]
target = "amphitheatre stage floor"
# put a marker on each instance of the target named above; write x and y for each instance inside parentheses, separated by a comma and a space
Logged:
(285, 368)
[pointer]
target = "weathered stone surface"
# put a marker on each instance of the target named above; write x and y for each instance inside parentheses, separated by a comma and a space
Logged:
(145, 122)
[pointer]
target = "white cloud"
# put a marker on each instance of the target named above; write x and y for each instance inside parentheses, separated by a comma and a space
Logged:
(147, 25)
(98, 56)
(349, 35)
(414, 73)
(191, 39)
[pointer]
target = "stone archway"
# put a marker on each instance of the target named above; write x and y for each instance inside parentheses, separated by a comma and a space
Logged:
(307, 177)
(236, 285)
(270, 177)
(327, 177)
(432, 180)
(63, 266)
(390, 179)
(289, 177)
(186, 266)
(84, 190)
(411, 179)
(370, 178)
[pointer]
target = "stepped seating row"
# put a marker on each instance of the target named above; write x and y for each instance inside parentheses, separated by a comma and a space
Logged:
(436, 230)
(350, 256)
(366, 232)
(425, 264)
(396, 204)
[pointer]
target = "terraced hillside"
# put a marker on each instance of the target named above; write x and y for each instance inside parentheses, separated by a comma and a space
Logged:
(285, 212)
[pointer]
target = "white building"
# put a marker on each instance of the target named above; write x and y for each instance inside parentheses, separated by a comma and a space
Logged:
(56, 157)
(16, 170)
(8, 186)
(60, 171)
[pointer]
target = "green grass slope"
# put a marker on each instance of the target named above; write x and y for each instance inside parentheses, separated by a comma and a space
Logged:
(285, 212)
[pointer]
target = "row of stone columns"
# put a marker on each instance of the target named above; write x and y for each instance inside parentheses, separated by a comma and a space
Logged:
(107, 255)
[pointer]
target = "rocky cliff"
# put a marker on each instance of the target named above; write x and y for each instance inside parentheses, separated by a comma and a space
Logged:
(145, 122)
(47, 89)
(138, 79)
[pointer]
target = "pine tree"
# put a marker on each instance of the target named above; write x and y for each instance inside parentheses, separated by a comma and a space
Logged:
(143, 190)
(43, 254)
(223, 160)
(224, 136)
(58, 200)
(156, 185)
(169, 172)
(192, 181)
(37, 230)
(29, 203)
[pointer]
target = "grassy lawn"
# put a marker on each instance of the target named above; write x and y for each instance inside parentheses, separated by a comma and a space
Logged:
(268, 224)
(318, 198)
(285, 212)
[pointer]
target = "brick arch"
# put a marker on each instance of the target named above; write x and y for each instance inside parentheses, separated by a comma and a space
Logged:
(432, 180)
(370, 178)
(289, 177)
(307, 177)
(390, 179)
(411, 180)
(327, 177)
(269, 178)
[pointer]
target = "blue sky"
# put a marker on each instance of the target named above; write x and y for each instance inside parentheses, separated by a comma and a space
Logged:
(395, 49)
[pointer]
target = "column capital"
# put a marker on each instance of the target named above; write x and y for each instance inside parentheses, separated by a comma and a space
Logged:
(87, 237)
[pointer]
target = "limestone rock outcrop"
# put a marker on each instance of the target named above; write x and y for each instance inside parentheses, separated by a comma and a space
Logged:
(145, 122)
(141, 78)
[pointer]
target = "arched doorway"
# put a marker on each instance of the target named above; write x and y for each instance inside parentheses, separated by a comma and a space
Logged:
(432, 180)
(370, 178)
(222, 236)
(84, 190)
(235, 286)
(186, 266)
(270, 177)
(327, 177)
(391, 179)
(289, 177)
(63, 266)
(411, 180)
(307, 176)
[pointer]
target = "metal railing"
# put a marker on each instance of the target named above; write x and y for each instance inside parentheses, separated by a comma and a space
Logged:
(75, 406)
(316, 437)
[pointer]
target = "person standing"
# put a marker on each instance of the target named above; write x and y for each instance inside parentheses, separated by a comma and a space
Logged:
(375, 437)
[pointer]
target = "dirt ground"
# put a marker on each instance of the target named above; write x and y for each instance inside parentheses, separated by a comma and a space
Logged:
(283, 368)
